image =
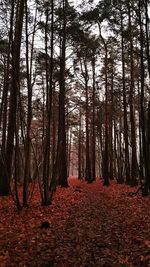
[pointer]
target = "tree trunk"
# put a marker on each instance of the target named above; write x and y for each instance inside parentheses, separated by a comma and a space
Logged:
(16, 45)
(88, 177)
(127, 164)
(106, 134)
(93, 160)
(61, 147)
(79, 147)
(142, 116)
(132, 117)
(27, 170)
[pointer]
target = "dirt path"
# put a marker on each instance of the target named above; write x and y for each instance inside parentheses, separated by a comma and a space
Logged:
(90, 225)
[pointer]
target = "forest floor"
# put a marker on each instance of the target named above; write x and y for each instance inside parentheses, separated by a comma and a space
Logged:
(89, 225)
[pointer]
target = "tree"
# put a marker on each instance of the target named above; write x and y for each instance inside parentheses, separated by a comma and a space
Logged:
(61, 158)
(145, 164)
(14, 93)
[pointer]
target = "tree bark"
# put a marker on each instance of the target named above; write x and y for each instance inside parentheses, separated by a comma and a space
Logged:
(127, 163)
(61, 147)
(16, 45)
(132, 117)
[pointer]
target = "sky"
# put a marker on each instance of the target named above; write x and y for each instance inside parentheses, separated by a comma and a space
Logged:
(77, 3)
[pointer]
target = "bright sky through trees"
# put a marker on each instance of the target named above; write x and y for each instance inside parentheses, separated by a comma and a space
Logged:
(91, 3)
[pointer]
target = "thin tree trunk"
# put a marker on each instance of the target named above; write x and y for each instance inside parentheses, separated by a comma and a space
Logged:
(88, 177)
(142, 116)
(93, 171)
(106, 134)
(127, 164)
(61, 161)
(132, 117)
(79, 146)
(111, 158)
(27, 171)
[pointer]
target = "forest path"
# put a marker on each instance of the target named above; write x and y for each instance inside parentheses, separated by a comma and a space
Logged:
(90, 225)
(106, 228)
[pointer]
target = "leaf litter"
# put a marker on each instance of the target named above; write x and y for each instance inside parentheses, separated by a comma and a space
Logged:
(87, 225)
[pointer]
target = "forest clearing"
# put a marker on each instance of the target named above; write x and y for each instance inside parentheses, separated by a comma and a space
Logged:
(89, 225)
